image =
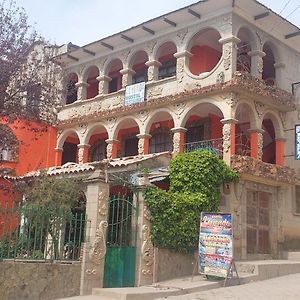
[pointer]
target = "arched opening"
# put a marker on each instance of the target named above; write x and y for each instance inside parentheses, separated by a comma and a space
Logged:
(206, 51)
(242, 129)
(139, 67)
(269, 73)
(204, 129)
(269, 143)
(97, 151)
(113, 71)
(92, 74)
(161, 136)
(243, 48)
(70, 149)
(71, 90)
(126, 134)
(166, 57)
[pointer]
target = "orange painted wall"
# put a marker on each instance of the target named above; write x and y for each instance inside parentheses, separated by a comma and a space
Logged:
(36, 146)
(204, 59)
(216, 127)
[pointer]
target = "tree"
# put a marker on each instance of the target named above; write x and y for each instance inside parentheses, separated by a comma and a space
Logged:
(28, 76)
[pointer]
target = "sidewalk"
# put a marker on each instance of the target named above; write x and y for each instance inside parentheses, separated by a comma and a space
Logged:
(280, 288)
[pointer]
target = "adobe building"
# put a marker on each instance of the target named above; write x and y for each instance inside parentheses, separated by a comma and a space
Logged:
(222, 75)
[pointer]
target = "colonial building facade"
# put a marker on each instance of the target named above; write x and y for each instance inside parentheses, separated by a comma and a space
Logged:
(221, 75)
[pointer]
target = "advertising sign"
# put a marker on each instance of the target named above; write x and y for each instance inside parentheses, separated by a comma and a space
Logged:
(135, 93)
(297, 142)
(215, 244)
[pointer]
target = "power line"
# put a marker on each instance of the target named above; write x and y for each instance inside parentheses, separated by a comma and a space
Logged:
(284, 7)
(293, 11)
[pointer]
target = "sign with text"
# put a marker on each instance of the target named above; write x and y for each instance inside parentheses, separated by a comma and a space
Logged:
(215, 244)
(297, 142)
(135, 93)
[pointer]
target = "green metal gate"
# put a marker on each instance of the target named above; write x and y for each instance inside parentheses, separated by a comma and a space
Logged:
(119, 269)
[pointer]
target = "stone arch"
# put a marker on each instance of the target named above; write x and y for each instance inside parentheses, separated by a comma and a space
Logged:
(92, 129)
(137, 62)
(112, 70)
(165, 55)
(269, 61)
(125, 132)
(206, 51)
(278, 127)
(245, 112)
(157, 115)
(249, 33)
(90, 75)
(64, 135)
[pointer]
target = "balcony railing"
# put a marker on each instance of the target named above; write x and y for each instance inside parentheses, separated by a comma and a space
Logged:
(242, 146)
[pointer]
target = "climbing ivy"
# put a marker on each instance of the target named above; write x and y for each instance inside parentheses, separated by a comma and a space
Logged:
(195, 180)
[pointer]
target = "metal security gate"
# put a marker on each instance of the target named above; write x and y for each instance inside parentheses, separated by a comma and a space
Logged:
(119, 269)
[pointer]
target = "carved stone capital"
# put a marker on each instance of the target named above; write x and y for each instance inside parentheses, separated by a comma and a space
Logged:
(183, 53)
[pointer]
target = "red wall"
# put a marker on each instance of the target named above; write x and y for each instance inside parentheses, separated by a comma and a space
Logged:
(36, 146)
(204, 59)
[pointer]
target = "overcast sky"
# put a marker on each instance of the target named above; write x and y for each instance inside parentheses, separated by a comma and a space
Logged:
(84, 21)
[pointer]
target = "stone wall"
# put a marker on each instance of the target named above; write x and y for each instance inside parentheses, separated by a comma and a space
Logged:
(38, 281)
(171, 264)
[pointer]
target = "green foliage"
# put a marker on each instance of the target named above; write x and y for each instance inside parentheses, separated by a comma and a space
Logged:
(195, 180)
(50, 192)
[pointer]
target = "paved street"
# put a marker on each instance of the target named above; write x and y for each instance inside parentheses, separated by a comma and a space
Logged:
(280, 288)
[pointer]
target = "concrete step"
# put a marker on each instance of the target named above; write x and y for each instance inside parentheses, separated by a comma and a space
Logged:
(248, 271)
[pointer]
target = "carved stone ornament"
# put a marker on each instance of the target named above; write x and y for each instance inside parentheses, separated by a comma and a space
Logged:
(109, 149)
(80, 155)
(98, 250)
(231, 99)
(220, 78)
(143, 116)
(151, 73)
(141, 143)
(176, 142)
(111, 122)
(146, 213)
(227, 56)
(179, 108)
(260, 64)
(226, 137)
(260, 143)
(82, 128)
(91, 272)
(181, 35)
(147, 252)
(155, 92)
(59, 132)
(102, 202)
(180, 69)
(150, 47)
(260, 108)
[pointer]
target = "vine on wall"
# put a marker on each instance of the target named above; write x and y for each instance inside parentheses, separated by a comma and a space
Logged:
(195, 180)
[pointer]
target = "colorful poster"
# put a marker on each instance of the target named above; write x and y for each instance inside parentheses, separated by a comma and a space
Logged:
(215, 243)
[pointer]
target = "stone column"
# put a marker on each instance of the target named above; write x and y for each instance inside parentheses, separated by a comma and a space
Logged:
(143, 144)
(279, 73)
(58, 156)
(181, 58)
(112, 148)
(228, 139)
(92, 267)
(230, 53)
(83, 153)
(178, 139)
(280, 151)
(256, 143)
(127, 77)
(145, 248)
(81, 90)
(153, 66)
(103, 84)
(257, 63)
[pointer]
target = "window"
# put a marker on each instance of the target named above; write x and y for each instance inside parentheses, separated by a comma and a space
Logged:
(167, 69)
(4, 155)
(140, 76)
(113, 85)
(131, 146)
(71, 92)
(161, 141)
(98, 151)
